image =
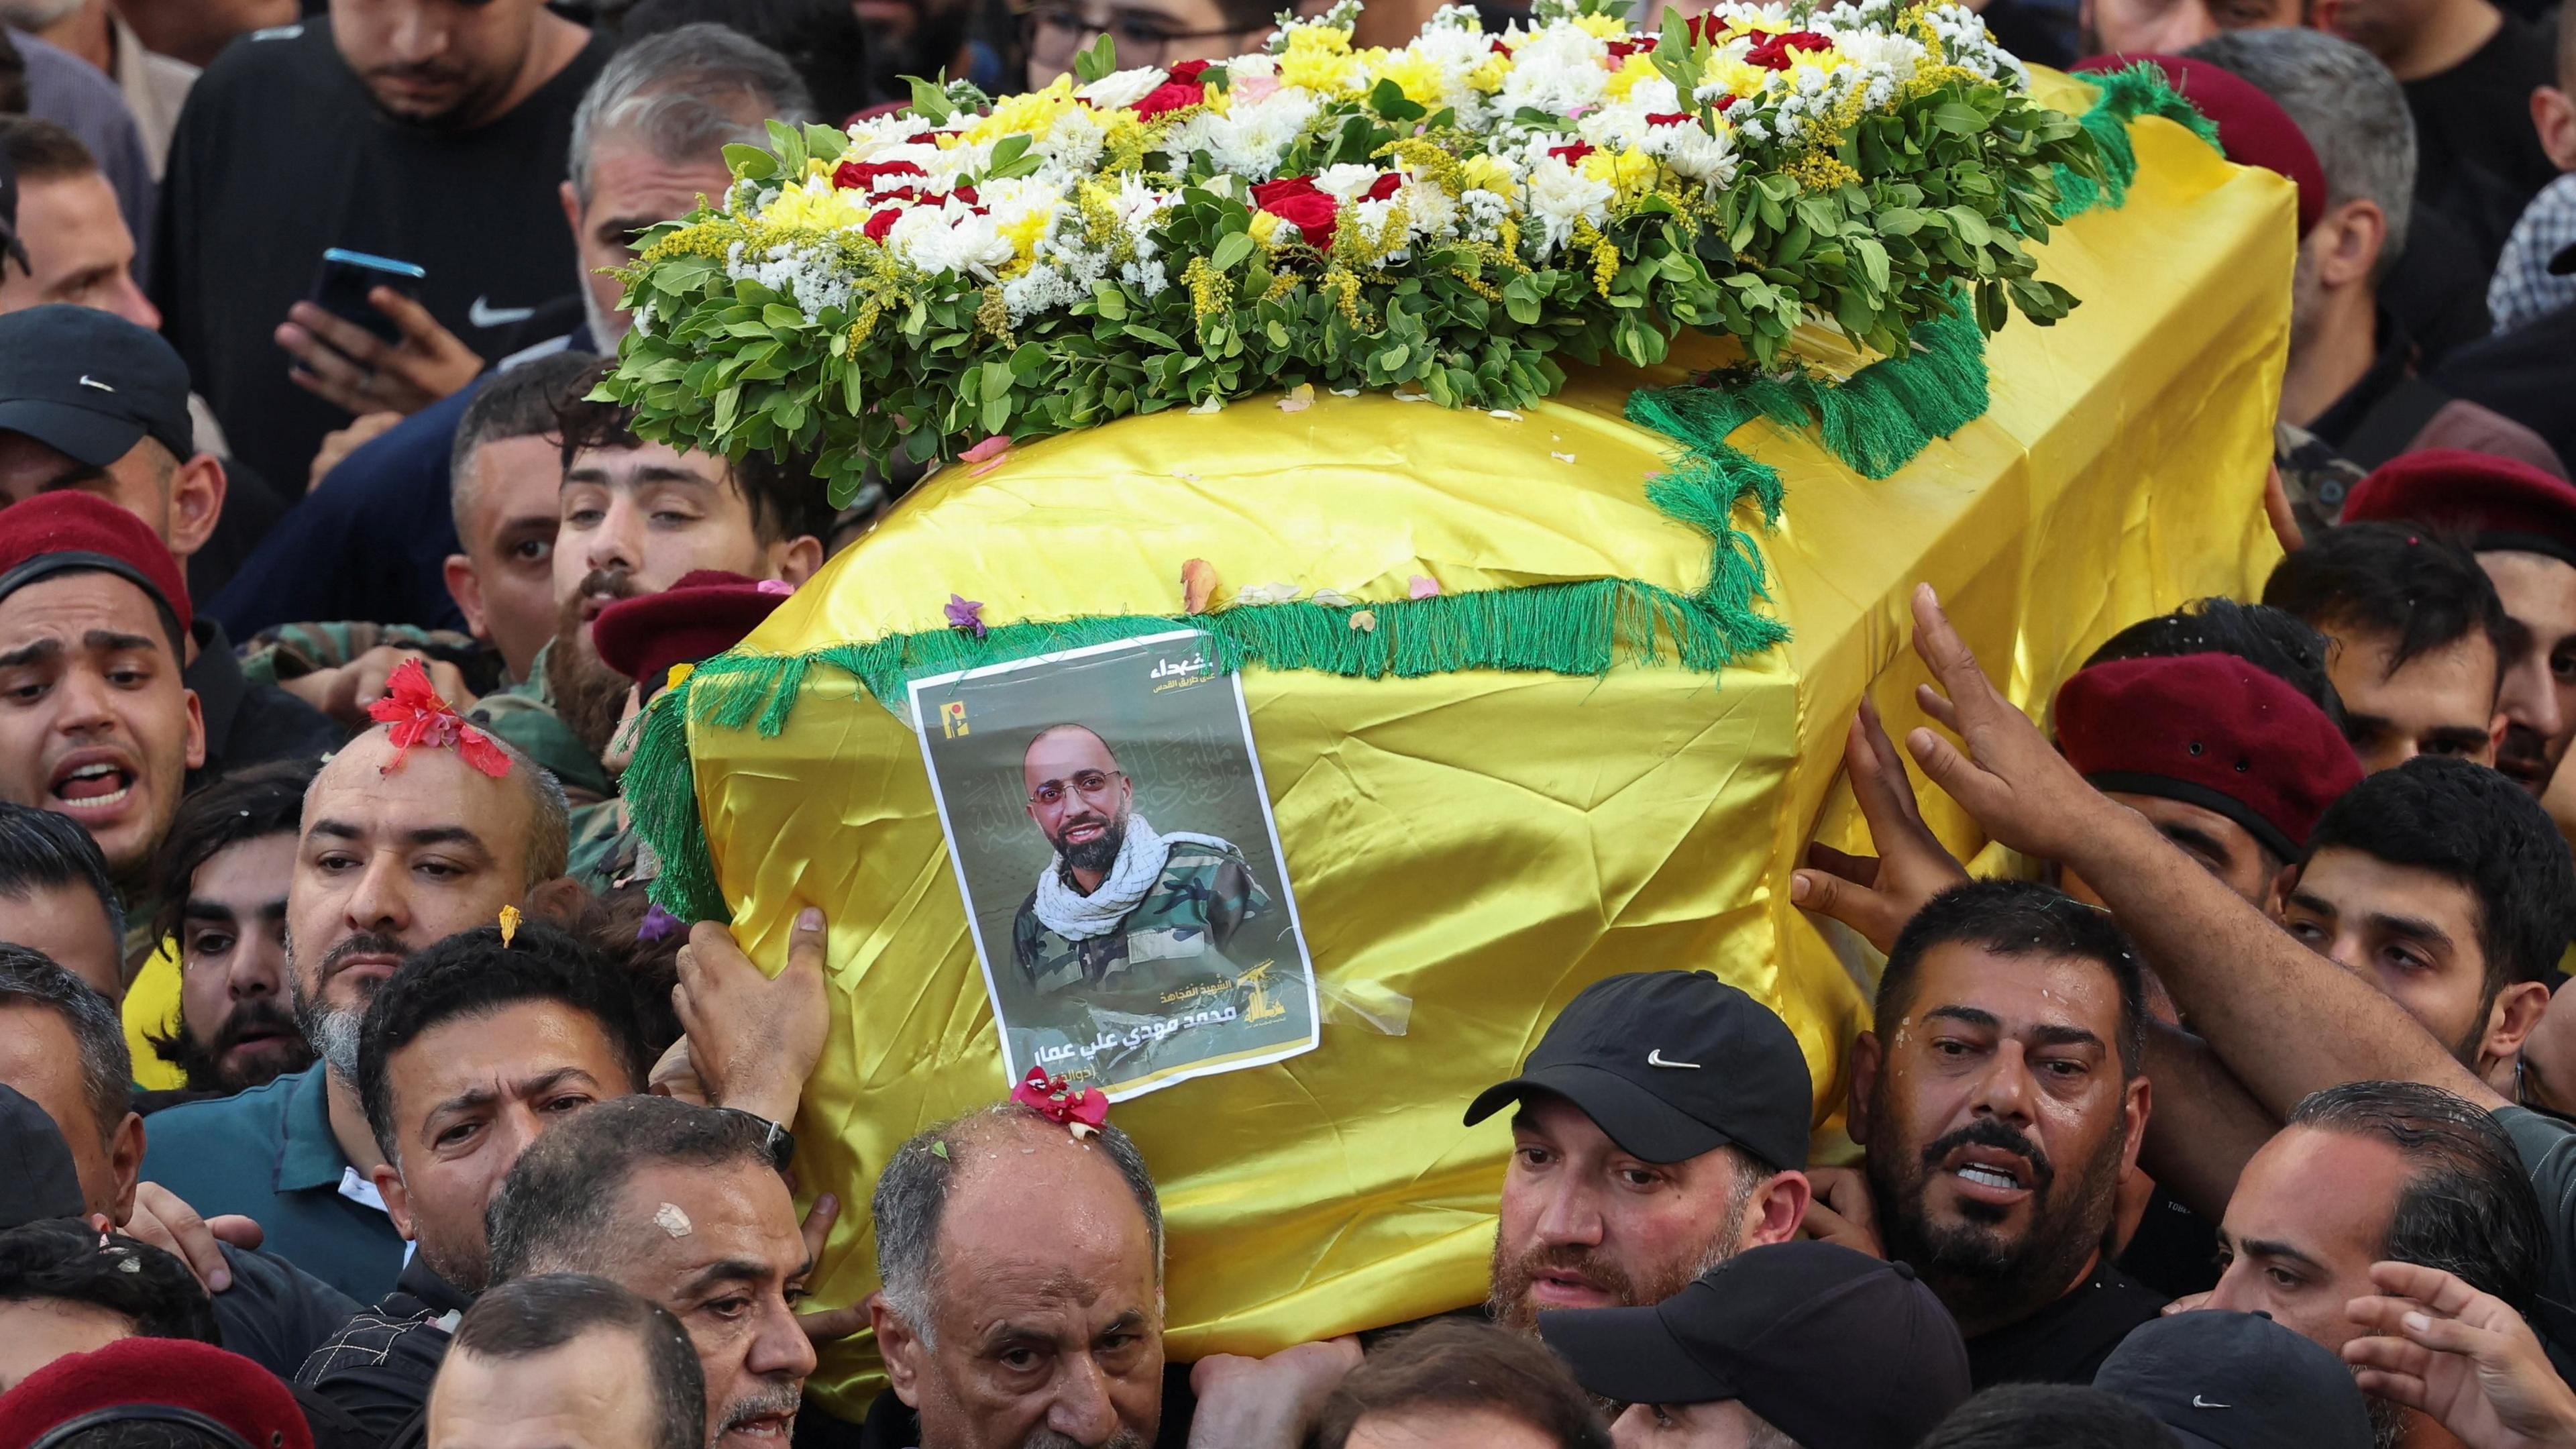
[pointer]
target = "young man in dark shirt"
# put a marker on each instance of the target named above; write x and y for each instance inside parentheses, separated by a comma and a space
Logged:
(2001, 1099)
(427, 131)
(2469, 70)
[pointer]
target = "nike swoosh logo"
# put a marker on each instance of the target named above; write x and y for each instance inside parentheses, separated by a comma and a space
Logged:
(1655, 1058)
(2198, 1402)
(89, 381)
(484, 314)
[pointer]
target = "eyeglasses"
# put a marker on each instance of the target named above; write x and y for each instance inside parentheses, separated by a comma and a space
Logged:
(1092, 784)
(1055, 35)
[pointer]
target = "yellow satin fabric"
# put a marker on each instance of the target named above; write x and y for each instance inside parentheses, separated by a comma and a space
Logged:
(1468, 851)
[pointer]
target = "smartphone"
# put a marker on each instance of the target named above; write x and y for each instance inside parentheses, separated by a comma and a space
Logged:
(348, 277)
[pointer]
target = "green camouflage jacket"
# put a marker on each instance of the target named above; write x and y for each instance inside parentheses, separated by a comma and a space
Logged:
(524, 714)
(604, 847)
(291, 651)
(2316, 477)
(1192, 914)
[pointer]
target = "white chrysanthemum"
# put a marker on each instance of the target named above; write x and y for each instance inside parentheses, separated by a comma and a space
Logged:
(1879, 50)
(1123, 88)
(1455, 18)
(948, 239)
(1249, 140)
(1434, 211)
(1555, 71)
(1561, 195)
(1770, 18)
(1345, 182)
(1620, 124)
(1372, 217)
(1694, 154)
(1072, 148)
(1042, 288)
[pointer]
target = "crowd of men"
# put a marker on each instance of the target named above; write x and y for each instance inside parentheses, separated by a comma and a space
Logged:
(352, 1093)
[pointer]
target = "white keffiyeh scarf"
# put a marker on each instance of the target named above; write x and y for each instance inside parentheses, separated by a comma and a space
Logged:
(1139, 865)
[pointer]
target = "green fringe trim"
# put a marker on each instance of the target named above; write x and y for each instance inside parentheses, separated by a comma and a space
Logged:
(1875, 422)
(2140, 90)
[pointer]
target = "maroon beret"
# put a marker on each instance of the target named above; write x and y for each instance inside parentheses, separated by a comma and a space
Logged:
(2252, 128)
(2502, 503)
(706, 613)
(172, 1380)
(2209, 730)
(71, 532)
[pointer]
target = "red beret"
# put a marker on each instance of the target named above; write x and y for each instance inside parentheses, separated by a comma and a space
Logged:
(2209, 730)
(68, 532)
(706, 613)
(2502, 503)
(2252, 128)
(133, 1378)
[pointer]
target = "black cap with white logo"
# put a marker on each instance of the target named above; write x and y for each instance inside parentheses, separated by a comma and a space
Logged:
(90, 384)
(1829, 1346)
(37, 1179)
(2224, 1380)
(1672, 1064)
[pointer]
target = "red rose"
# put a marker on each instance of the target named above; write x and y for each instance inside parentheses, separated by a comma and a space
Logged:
(862, 175)
(1622, 49)
(1188, 71)
(1169, 96)
(1571, 155)
(965, 194)
(883, 222)
(1501, 49)
(1384, 187)
(1672, 118)
(1773, 54)
(1297, 202)
(1707, 27)
(1725, 101)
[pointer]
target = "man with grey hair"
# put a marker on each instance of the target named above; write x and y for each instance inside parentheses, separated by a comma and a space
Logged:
(2351, 381)
(63, 1048)
(686, 1206)
(1023, 1302)
(399, 847)
(648, 141)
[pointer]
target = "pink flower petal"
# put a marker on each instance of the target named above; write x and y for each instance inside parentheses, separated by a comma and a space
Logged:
(1423, 588)
(992, 447)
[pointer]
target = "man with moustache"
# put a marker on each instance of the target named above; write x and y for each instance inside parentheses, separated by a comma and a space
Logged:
(1118, 894)
(222, 881)
(2001, 1102)
(634, 517)
(2522, 523)
(399, 847)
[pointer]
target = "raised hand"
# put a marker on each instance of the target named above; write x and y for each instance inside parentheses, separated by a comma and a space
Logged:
(1876, 897)
(2462, 1356)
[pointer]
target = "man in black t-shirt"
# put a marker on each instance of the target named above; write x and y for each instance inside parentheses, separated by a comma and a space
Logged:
(2001, 1100)
(2469, 70)
(426, 131)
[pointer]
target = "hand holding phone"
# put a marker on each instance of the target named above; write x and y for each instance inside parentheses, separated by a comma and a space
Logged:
(363, 342)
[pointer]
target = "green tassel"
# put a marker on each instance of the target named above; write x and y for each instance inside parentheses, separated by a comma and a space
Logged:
(2140, 90)
(661, 790)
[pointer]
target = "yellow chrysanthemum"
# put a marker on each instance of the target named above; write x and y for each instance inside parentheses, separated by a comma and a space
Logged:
(1488, 171)
(1816, 60)
(1264, 226)
(1024, 232)
(1418, 76)
(816, 205)
(1639, 66)
(1741, 80)
(1488, 76)
(1320, 60)
(1627, 171)
(1606, 27)
(1032, 115)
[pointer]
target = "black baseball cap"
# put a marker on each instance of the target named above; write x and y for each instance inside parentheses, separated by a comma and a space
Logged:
(2223, 1380)
(1672, 1064)
(37, 1178)
(1829, 1346)
(91, 385)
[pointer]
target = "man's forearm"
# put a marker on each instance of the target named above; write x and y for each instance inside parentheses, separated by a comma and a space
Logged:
(2205, 1127)
(2285, 1020)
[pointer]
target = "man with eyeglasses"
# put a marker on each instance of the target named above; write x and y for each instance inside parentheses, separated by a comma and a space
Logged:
(1145, 32)
(1118, 895)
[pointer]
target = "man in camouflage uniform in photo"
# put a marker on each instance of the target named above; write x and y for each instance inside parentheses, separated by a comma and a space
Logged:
(1193, 903)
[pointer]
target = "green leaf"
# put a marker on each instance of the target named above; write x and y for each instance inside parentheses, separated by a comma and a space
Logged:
(929, 101)
(1101, 59)
(1968, 226)
(1233, 248)
(997, 412)
(750, 162)
(1163, 340)
(1959, 119)
(1111, 299)
(1900, 221)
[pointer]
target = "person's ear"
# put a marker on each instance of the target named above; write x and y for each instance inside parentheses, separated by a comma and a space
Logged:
(2140, 1104)
(2553, 115)
(196, 503)
(2513, 1018)
(2349, 242)
(1778, 1206)
(572, 210)
(901, 1349)
(466, 588)
(196, 730)
(389, 1186)
(125, 1162)
(2495, 738)
(559, 900)
(1865, 1063)
(2277, 898)
(794, 560)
